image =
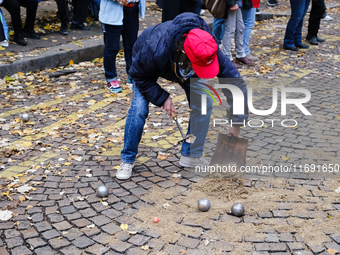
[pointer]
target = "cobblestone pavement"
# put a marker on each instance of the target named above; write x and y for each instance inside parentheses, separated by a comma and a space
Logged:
(52, 165)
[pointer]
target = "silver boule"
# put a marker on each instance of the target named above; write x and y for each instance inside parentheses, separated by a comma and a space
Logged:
(102, 191)
(237, 209)
(25, 117)
(203, 205)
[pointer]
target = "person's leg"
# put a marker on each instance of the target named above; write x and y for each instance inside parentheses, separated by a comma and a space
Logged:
(130, 33)
(80, 11)
(63, 12)
(298, 33)
(239, 35)
(218, 29)
(198, 123)
(31, 11)
(190, 6)
(297, 9)
(229, 33)
(13, 7)
(249, 22)
(134, 125)
(315, 17)
(111, 49)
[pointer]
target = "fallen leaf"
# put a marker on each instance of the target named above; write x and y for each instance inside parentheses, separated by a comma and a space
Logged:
(24, 189)
(332, 251)
(162, 157)
(145, 247)
(5, 215)
(29, 207)
(21, 198)
(71, 62)
(90, 226)
(124, 226)
(285, 158)
(182, 252)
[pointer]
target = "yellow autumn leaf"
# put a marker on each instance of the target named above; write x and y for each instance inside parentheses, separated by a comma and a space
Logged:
(337, 117)
(2, 48)
(92, 101)
(158, 113)
(285, 158)
(21, 198)
(145, 247)
(162, 157)
(67, 164)
(332, 106)
(124, 226)
(71, 62)
(29, 207)
(5, 193)
(332, 251)
(18, 175)
(116, 167)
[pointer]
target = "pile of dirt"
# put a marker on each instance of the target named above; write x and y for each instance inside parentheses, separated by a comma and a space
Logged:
(178, 213)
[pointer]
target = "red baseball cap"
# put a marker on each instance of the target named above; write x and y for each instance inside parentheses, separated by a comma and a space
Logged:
(201, 49)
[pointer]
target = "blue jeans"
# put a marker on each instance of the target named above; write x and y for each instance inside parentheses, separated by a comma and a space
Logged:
(249, 22)
(293, 36)
(218, 29)
(139, 110)
(129, 32)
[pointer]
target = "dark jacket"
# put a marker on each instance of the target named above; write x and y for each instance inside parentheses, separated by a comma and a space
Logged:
(153, 55)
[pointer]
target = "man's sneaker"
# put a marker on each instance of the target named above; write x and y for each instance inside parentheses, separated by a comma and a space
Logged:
(114, 87)
(63, 29)
(124, 171)
(272, 2)
(128, 82)
(258, 11)
(327, 18)
(192, 161)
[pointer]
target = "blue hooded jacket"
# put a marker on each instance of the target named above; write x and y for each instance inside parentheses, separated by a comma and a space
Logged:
(153, 55)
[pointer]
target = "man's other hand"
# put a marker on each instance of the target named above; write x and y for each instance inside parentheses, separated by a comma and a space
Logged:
(234, 8)
(168, 106)
(234, 131)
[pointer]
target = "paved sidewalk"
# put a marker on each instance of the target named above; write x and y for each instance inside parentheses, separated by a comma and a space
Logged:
(52, 165)
(54, 50)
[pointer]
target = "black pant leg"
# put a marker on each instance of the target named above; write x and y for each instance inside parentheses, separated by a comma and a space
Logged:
(318, 9)
(31, 11)
(81, 8)
(13, 7)
(63, 11)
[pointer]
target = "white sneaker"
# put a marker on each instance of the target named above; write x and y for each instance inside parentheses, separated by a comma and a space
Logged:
(327, 18)
(124, 171)
(192, 161)
(4, 44)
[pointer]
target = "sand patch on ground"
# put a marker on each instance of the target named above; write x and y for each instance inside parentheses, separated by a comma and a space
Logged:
(179, 215)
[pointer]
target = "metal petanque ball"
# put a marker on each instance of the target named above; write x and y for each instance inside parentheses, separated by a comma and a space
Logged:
(25, 117)
(237, 209)
(102, 191)
(203, 205)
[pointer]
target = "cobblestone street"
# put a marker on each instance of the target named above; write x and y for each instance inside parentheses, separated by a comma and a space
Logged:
(52, 165)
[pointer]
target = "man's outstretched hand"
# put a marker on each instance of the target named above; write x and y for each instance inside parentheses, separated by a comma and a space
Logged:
(168, 106)
(234, 131)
